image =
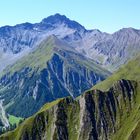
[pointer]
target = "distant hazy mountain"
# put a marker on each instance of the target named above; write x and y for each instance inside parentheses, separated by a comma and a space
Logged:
(109, 50)
(53, 70)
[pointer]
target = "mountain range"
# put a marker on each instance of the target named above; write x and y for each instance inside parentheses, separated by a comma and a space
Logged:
(95, 115)
(109, 50)
(73, 83)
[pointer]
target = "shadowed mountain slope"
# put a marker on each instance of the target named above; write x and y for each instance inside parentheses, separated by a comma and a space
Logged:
(53, 70)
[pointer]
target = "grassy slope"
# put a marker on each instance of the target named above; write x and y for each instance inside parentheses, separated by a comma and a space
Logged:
(130, 123)
(49, 105)
(130, 71)
(122, 134)
(35, 59)
(28, 123)
(14, 120)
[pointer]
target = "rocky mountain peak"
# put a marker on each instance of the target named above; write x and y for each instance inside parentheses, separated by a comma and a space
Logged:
(129, 32)
(58, 19)
(54, 19)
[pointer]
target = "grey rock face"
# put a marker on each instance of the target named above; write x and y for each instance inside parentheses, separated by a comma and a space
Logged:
(109, 50)
(119, 47)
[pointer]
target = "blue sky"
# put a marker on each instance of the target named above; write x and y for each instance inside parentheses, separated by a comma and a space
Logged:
(105, 15)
